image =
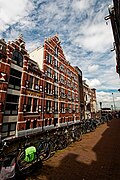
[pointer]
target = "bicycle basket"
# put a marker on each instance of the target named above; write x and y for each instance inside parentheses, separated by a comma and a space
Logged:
(30, 154)
(7, 169)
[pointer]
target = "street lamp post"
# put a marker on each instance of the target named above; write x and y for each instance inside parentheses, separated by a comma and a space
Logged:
(114, 102)
(101, 109)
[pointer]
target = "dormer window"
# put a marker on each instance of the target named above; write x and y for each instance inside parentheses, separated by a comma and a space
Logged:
(18, 58)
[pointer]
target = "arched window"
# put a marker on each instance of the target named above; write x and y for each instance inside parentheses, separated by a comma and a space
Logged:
(18, 58)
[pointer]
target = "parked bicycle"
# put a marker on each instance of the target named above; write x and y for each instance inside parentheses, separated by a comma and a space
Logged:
(21, 161)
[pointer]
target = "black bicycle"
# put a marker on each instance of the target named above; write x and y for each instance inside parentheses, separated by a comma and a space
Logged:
(21, 161)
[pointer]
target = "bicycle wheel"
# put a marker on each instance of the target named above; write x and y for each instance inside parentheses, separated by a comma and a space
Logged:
(24, 167)
(44, 150)
(62, 143)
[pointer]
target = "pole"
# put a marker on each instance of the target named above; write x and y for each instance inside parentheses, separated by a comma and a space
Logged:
(114, 102)
(101, 109)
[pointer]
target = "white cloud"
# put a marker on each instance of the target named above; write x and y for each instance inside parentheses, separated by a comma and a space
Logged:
(107, 99)
(85, 38)
(80, 5)
(93, 68)
(12, 11)
(94, 83)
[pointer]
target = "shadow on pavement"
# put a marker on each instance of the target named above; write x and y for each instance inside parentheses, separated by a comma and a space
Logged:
(105, 167)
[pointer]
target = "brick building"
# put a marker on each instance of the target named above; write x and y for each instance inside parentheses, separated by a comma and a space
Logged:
(81, 94)
(61, 82)
(37, 90)
(90, 102)
(114, 16)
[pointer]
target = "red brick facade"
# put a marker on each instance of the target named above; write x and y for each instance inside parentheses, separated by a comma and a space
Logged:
(31, 97)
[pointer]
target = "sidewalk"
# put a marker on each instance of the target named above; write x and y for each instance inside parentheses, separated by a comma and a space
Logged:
(96, 157)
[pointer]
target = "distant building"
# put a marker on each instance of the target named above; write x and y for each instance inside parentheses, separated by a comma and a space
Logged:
(90, 103)
(114, 16)
(105, 111)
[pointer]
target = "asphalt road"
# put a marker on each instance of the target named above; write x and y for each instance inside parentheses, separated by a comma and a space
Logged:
(95, 157)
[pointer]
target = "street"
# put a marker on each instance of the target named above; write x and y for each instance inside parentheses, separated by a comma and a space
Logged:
(96, 156)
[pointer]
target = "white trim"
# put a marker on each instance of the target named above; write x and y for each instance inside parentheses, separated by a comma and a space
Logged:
(14, 66)
(19, 122)
(3, 91)
(5, 63)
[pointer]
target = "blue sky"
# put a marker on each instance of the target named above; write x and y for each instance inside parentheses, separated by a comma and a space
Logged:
(84, 35)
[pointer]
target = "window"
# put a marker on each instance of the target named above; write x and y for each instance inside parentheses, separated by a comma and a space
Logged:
(11, 106)
(50, 122)
(49, 72)
(55, 107)
(77, 109)
(12, 126)
(63, 107)
(8, 129)
(30, 82)
(18, 58)
(36, 86)
(73, 96)
(46, 122)
(48, 106)
(14, 83)
(62, 93)
(49, 58)
(48, 88)
(34, 123)
(56, 77)
(68, 72)
(69, 108)
(12, 98)
(27, 125)
(61, 120)
(34, 104)
(62, 67)
(28, 107)
(5, 127)
(68, 83)
(69, 95)
(62, 79)
(56, 51)
(56, 91)
(15, 79)
(55, 63)
(15, 73)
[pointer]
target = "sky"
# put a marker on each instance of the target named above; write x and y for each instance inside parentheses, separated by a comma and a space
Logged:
(85, 37)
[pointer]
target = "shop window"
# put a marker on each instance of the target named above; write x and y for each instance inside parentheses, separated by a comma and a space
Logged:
(8, 129)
